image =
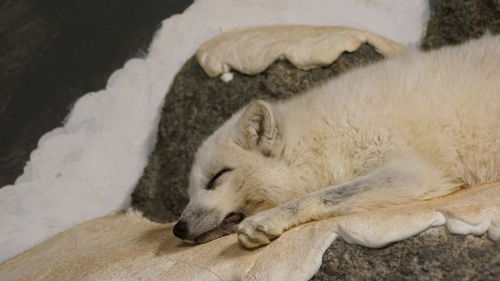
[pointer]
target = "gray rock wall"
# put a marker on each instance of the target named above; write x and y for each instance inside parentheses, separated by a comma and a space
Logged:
(434, 256)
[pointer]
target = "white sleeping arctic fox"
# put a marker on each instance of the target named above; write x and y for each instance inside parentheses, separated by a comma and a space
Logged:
(414, 127)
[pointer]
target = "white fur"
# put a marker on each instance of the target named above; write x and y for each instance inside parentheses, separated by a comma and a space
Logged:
(414, 127)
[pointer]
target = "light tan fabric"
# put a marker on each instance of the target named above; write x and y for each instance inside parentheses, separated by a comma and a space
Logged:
(252, 50)
(129, 247)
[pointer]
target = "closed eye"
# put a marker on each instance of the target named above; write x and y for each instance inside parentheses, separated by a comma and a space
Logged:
(210, 184)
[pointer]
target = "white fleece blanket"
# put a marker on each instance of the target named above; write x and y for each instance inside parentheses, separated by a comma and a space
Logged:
(129, 247)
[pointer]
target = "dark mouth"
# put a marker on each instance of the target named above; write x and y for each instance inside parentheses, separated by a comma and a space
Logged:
(227, 226)
(234, 217)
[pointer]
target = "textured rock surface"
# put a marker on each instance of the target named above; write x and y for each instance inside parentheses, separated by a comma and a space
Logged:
(455, 21)
(430, 256)
(196, 105)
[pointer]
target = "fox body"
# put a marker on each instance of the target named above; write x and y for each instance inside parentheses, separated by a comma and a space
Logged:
(414, 127)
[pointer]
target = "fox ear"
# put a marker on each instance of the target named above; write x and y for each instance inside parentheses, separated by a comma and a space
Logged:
(257, 129)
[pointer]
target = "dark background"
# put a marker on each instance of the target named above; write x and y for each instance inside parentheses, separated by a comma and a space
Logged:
(54, 51)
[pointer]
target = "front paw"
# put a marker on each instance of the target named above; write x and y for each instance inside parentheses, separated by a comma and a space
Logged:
(260, 229)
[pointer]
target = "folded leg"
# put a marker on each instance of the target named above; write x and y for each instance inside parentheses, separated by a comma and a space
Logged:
(396, 182)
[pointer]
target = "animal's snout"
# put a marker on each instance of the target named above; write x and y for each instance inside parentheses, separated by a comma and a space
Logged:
(180, 229)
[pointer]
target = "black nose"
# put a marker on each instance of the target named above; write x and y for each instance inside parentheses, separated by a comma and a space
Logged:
(180, 229)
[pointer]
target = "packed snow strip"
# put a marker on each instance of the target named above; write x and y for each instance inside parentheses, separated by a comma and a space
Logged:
(88, 167)
(252, 50)
(133, 248)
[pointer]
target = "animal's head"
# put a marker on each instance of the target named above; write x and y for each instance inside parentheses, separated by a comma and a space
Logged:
(237, 172)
